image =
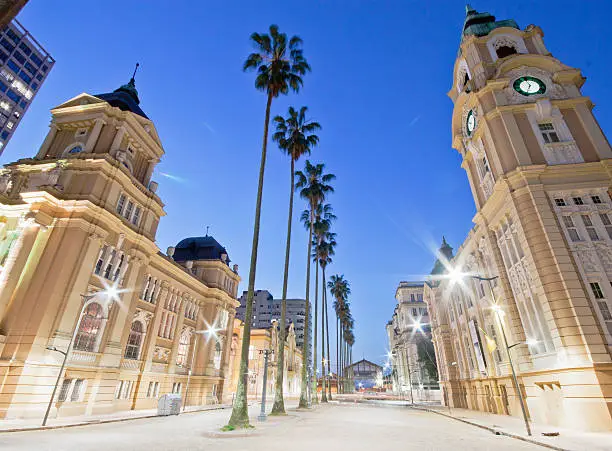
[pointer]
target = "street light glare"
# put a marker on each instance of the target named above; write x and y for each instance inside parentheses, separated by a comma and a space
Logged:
(418, 326)
(455, 275)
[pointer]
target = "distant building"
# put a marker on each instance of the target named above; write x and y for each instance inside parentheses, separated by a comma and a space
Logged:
(267, 309)
(366, 374)
(412, 360)
(24, 67)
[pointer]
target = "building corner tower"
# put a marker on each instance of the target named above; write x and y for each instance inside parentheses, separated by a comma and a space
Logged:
(540, 171)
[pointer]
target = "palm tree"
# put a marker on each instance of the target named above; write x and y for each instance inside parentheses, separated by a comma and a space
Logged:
(314, 187)
(325, 249)
(340, 289)
(294, 135)
(280, 66)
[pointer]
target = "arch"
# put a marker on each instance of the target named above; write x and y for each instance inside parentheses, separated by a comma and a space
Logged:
(505, 43)
(463, 75)
(74, 148)
(132, 349)
(183, 348)
(90, 328)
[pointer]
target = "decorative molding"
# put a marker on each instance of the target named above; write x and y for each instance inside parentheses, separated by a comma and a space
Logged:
(553, 90)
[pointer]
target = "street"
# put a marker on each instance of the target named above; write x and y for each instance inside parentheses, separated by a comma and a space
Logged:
(334, 426)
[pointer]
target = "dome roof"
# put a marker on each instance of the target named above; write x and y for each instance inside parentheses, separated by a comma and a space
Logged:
(125, 98)
(199, 248)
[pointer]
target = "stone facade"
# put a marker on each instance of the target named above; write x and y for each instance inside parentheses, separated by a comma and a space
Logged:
(82, 216)
(540, 171)
(408, 330)
(266, 339)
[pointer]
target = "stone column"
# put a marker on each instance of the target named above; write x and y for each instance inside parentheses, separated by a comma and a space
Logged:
(228, 344)
(116, 144)
(94, 135)
(152, 331)
(16, 260)
(44, 148)
(177, 334)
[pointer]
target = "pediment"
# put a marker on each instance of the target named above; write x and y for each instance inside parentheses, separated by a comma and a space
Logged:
(80, 100)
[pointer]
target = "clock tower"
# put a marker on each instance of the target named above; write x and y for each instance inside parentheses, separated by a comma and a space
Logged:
(540, 171)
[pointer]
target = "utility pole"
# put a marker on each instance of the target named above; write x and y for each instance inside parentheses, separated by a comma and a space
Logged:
(262, 413)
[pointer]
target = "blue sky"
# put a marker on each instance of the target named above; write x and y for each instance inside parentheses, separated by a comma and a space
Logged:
(381, 71)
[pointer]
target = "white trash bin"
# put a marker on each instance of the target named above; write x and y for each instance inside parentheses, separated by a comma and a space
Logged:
(169, 404)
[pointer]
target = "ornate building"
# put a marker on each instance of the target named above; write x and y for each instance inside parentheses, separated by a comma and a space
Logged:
(409, 335)
(79, 217)
(540, 171)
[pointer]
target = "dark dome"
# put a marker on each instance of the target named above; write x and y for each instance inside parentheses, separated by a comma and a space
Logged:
(125, 98)
(199, 248)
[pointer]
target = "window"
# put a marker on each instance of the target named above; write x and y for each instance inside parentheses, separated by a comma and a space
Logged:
(14, 36)
(132, 349)
(414, 312)
(100, 262)
(25, 77)
(548, 133)
(39, 77)
(136, 217)
(586, 219)
(90, 326)
(151, 389)
(9, 125)
(81, 132)
(13, 66)
(571, 228)
(217, 359)
(578, 201)
(3, 87)
(605, 310)
(7, 45)
(128, 210)
(183, 348)
(35, 59)
(605, 219)
(63, 394)
(75, 150)
(597, 292)
(485, 165)
(121, 203)
(5, 134)
(76, 390)
(505, 50)
(19, 57)
(3, 56)
(176, 388)
(596, 199)
(23, 104)
(14, 97)
(25, 49)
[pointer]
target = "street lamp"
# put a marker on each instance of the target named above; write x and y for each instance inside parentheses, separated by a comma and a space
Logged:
(110, 294)
(457, 276)
(262, 413)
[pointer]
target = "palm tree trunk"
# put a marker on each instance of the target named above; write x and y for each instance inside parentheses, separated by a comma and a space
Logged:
(278, 408)
(316, 313)
(305, 356)
(240, 411)
(327, 333)
(341, 369)
(323, 384)
(337, 354)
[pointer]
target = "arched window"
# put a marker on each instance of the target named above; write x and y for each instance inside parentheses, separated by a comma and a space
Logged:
(505, 50)
(76, 149)
(183, 349)
(90, 327)
(132, 350)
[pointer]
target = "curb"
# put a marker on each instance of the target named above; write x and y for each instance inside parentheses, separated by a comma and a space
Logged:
(471, 423)
(492, 429)
(94, 422)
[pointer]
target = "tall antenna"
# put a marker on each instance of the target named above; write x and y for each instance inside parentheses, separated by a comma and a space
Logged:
(135, 69)
(207, 227)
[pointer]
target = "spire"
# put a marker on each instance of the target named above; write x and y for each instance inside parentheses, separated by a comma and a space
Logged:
(130, 87)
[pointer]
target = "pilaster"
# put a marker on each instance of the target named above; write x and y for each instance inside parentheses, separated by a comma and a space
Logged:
(94, 135)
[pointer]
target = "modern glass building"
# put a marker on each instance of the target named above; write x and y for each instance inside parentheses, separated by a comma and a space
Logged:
(24, 67)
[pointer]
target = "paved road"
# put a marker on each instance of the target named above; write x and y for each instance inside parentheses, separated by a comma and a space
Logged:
(336, 427)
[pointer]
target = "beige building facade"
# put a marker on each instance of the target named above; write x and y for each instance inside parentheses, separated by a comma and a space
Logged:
(539, 167)
(262, 340)
(81, 216)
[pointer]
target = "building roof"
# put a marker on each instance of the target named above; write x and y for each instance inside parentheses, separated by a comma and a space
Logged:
(447, 253)
(125, 97)
(481, 24)
(200, 248)
(364, 361)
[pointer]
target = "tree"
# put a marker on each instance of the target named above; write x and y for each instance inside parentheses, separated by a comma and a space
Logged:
(295, 136)
(340, 289)
(324, 250)
(314, 187)
(280, 65)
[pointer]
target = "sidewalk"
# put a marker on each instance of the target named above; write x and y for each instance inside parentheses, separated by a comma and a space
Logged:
(515, 427)
(33, 424)
(567, 440)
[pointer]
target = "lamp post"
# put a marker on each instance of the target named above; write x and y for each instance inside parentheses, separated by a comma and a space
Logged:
(110, 293)
(262, 413)
(499, 312)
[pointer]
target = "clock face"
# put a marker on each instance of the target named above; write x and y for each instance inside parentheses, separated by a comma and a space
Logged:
(470, 123)
(529, 86)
